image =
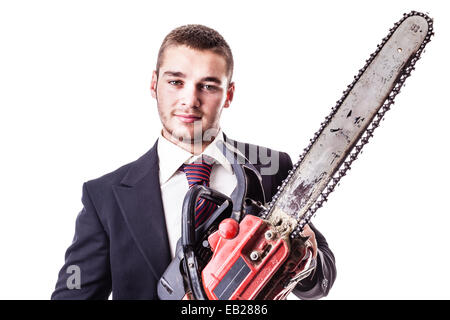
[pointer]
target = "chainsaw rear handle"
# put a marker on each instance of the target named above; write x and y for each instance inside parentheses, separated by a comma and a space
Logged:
(188, 240)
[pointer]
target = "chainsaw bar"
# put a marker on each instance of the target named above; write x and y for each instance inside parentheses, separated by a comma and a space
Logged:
(349, 126)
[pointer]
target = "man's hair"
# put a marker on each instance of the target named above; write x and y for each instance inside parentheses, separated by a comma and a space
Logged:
(198, 37)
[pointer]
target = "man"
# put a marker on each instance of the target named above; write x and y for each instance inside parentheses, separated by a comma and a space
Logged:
(126, 233)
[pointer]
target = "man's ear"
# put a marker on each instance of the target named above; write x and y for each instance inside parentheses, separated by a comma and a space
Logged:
(230, 94)
(154, 84)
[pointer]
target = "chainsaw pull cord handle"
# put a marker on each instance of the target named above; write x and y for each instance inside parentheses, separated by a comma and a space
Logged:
(188, 234)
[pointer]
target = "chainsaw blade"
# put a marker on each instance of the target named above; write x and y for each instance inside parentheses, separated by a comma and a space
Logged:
(349, 126)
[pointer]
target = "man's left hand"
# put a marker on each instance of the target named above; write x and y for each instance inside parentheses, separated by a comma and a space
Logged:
(307, 232)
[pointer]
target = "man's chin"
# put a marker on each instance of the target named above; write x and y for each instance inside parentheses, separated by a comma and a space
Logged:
(191, 135)
(182, 136)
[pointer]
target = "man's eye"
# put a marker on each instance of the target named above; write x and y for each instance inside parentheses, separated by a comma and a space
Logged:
(175, 82)
(209, 87)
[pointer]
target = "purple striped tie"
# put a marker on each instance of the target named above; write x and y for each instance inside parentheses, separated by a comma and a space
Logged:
(199, 173)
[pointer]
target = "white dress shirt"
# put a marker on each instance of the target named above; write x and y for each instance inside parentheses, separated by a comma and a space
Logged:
(174, 184)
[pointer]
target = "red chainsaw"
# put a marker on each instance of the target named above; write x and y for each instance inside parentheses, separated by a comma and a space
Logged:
(249, 250)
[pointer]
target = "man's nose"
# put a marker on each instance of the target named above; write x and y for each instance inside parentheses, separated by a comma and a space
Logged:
(190, 97)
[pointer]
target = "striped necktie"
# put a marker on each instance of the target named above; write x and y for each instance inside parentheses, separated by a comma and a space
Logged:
(199, 173)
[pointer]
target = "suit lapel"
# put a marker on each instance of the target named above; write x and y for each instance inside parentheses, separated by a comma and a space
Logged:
(139, 199)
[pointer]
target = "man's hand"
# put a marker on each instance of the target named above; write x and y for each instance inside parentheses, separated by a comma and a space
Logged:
(307, 232)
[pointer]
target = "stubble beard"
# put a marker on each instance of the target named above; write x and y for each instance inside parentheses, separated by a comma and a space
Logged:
(195, 142)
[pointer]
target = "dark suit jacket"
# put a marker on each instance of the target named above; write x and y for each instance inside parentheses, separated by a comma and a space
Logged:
(121, 244)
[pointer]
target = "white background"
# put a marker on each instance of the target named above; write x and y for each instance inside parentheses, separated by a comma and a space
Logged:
(75, 104)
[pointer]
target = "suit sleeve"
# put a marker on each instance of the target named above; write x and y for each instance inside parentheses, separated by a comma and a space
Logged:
(86, 271)
(319, 283)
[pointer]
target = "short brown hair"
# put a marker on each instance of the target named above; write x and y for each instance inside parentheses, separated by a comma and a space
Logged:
(198, 37)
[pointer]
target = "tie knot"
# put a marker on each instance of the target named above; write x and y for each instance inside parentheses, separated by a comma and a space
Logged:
(197, 173)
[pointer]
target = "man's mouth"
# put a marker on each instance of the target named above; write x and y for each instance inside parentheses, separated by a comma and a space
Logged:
(187, 118)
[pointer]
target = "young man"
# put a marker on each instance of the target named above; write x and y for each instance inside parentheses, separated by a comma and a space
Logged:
(127, 231)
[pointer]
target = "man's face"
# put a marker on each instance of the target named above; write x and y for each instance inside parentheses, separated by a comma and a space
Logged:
(191, 90)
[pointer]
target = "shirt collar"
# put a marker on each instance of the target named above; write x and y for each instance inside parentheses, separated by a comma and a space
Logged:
(171, 157)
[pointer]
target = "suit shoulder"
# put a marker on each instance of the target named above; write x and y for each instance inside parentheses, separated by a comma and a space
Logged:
(117, 176)
(100, 188)
(111, 178)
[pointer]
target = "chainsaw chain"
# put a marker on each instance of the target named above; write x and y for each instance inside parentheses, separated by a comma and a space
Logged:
(368, 133)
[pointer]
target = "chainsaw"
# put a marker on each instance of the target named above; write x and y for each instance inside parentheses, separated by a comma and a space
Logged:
(254, 250)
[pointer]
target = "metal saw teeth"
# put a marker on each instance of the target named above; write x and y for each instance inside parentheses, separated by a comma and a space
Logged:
(367, 134)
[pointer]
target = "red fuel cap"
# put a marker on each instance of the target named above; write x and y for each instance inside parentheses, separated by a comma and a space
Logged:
(228, 228)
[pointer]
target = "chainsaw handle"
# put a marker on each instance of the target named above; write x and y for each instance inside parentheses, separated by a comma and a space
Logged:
(188, 233)
(188, 212)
